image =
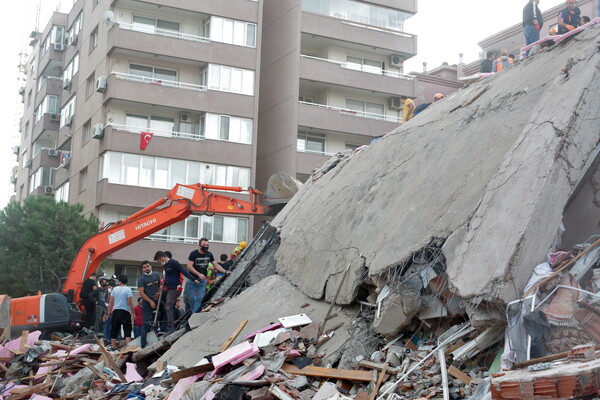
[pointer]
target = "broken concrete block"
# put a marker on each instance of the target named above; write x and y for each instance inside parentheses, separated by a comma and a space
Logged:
(398, 309)
(260, 394)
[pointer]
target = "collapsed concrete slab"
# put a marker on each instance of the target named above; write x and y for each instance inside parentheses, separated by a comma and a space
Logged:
(488, 170)
(272, 298)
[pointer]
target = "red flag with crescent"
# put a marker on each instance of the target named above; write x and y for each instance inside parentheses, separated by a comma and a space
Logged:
(145, 139)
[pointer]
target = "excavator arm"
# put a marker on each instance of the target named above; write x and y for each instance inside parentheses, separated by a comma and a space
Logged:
(178, 204)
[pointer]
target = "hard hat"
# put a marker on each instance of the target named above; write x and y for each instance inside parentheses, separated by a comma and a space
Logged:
(243, 244)
(438, 96)
(571, 1)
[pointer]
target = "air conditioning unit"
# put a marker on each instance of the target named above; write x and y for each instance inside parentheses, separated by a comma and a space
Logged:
(98, 131)
(48, 190)
(21, 90)
(55, 117)
(16, 150)
(67, 84)
(13, 179)
(59, 46)
(101, 84)
(66, 162)
(53, 152)
(396, 61)
(184, 117)
(395, 103)
(69, 121)
(28, 163)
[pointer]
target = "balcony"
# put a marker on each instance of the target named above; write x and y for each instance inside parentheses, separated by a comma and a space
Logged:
(49, 122)
(181, 95)
(245, 10)
(123, 36)
(53, 86)
(356, 76)
(51, 62)
(122, 138)
(360, 34)
(409, 6)
(43, 159)
(337, 119)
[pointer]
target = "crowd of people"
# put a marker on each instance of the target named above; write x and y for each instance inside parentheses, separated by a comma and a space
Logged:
(109, 305)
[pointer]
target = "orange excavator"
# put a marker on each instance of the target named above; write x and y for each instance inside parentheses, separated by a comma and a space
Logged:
(59, 311)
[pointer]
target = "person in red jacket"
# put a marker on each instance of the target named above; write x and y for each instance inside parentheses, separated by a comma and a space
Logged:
(139, 319)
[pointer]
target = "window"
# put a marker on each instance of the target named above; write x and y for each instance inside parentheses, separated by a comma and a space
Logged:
(74, 30)
(43, 176)
(364, 64)
(42, 143)
(87, 132)
(62, 193)
(89, 85)
(149, 73)
(151, 123)
(155, 26)
(352, 146)
(231, 31)
(366, 108)
(83, 178)
(311, 142)
(48, 106)
(225, 127)
(306, 99)
(229, 79)
(29, 97)
(215, 228)
(94, 39)
(164, 173)
(358, 12)
(67, 112)
(70, 71)
(41, 82)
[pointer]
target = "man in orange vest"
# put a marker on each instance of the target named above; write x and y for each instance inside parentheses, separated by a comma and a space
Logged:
(502, 62)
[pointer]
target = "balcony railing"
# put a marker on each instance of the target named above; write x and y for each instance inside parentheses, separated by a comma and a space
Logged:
(163, 32)
(160, 82)
(354, 113)
(158, 132)
(318, 153)
(364, 68)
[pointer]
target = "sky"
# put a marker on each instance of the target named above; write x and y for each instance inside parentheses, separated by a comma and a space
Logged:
(444, 28)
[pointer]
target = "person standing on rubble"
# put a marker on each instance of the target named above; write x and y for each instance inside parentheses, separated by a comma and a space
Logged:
(533, 21)
(172, 270)
(569, 18)
(486, 65)
(149, 287)
(502, 62)
(198, 263)
(88, 286)
(238, 250)
(120, 308)
(100, 299)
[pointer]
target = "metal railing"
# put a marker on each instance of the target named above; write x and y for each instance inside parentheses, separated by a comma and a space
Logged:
(158, 237)
(160, 82)
(158, 132)
(162, 32)
(354, 113)
(318, 153)
(376, 28)
(363, 68)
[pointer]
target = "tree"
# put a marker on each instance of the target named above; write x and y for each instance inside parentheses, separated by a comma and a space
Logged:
(38, 240)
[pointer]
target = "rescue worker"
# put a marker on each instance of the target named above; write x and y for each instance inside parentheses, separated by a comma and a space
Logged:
(408, 107)
(502, 62)
(569, 18)
(437, 97)
(533, 21)
(238, 250)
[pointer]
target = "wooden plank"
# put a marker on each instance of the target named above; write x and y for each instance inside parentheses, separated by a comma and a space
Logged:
(111, 361)
(379, 381)
(185, 373)
(458, 374)
(23, 342)
(64, 362)
(333, 373)
(378, 367)
(233, 336)
(97, 373)
(161, 344)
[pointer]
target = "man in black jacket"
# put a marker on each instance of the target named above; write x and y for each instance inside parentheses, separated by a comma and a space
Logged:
(532, 22)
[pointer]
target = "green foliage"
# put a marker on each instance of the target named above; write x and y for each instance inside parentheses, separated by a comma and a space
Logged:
(38, 240)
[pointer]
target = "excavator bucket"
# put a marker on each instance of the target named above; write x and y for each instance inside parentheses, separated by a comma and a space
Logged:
(281, 187)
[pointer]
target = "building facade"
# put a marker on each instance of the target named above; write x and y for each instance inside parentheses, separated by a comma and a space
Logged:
(232, 90)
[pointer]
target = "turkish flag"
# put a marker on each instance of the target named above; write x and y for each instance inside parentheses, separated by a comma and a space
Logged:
(145, 139)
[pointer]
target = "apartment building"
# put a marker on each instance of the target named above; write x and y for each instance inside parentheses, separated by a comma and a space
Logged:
(331, 77)
(232, 90)
(109, 70)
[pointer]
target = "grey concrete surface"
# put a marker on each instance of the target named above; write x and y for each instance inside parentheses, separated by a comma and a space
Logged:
(261, 304)
(490, 168)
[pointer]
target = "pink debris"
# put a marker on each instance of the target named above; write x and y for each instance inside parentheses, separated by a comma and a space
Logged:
(265, 329)
(252, 375)
(255, 351)
(209, 395)
(131, 374)
(38, 397)
(45, 369)
(182, 385)
(80, 349)
(292, 353)
(14, 344)
(231, 354)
